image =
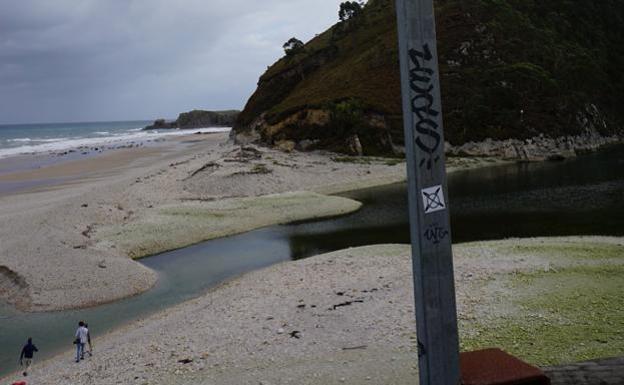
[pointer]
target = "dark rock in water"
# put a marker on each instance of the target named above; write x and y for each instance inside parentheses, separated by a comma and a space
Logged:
(160, 124)
(197, 119)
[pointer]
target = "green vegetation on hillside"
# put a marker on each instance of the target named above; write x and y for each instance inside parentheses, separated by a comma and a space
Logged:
(509, 69)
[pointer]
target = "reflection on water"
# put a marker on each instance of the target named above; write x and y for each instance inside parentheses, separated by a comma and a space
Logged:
(580, 196)
(574, 197)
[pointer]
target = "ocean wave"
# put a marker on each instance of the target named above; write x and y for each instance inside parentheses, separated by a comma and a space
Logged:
(127, 137)
(19, 140)
(36, 140)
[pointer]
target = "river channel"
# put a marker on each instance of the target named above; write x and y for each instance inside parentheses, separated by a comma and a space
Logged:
(573, 197)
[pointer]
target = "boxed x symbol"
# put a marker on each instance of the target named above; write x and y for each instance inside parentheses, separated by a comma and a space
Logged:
(433, 199)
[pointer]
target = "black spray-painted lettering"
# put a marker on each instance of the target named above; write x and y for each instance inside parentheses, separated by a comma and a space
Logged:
(428, 139)
(436, 234)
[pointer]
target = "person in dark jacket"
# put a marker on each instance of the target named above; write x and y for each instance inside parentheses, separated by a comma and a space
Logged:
(26, 357)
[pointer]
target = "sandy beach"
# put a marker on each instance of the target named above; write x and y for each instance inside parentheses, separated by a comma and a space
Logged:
(70, 244)
(61, 244)
(344, 317)
(311, 193)
(347, 317)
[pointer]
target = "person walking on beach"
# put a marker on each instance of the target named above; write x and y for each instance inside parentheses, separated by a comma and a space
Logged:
(26, 357)
(81, 339)
(90, 351)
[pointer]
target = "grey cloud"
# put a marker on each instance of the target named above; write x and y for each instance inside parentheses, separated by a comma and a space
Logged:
(124, 59)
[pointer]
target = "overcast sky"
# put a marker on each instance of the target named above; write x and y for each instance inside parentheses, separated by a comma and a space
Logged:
(91, 60)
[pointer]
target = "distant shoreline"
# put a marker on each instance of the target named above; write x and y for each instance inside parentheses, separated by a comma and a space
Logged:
(74, 139)
(28, 171)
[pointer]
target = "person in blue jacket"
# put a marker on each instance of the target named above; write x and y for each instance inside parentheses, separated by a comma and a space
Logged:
(26, 358)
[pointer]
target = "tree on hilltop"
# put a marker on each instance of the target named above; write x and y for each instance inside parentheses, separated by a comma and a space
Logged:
(349, 10)
(293, 46)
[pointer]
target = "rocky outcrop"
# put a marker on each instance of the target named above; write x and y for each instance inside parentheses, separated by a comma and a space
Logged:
(370, 134)
(542, 147)
(197, 119)
(160, 124)
(303, 131)
(508, 70)
(539, 148)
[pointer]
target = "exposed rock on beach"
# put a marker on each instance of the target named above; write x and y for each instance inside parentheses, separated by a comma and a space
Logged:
(535, 149)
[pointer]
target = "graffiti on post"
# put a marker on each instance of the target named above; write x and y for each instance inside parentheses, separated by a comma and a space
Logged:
(435, 233)
(433, 199)
(428, 138)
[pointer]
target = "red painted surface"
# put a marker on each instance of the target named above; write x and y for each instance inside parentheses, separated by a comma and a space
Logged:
(495, 367)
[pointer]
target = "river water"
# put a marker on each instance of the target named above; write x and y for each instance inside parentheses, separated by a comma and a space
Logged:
(574, 197)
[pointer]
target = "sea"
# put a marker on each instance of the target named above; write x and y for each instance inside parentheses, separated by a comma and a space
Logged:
(41, 138)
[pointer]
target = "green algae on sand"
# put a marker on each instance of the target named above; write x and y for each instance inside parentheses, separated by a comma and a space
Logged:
(572, 310)
(178, 225)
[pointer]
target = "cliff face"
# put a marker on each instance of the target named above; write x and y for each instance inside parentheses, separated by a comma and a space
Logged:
(509, 69)
(198, 119)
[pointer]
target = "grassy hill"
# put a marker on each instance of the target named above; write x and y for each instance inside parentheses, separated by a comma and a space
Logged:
(509, 69)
